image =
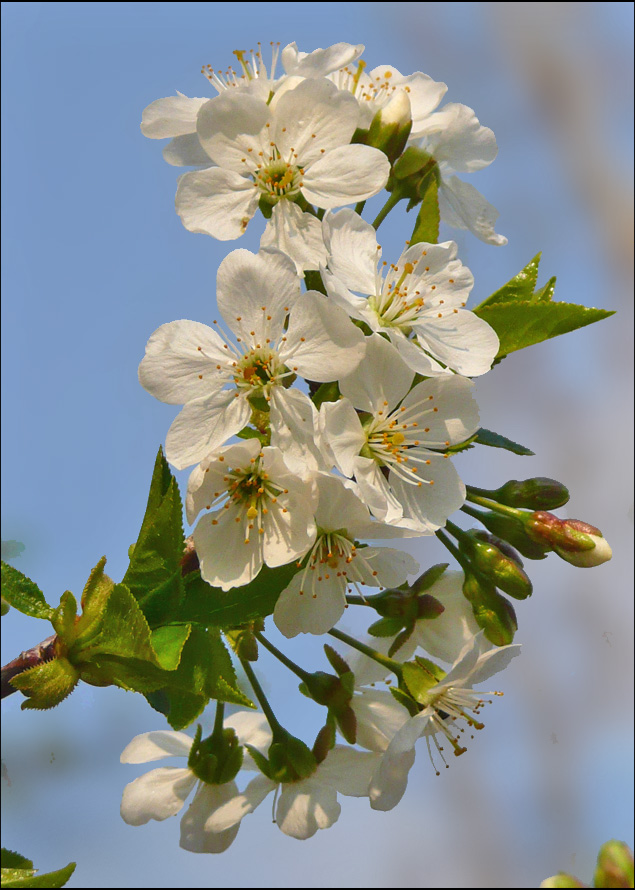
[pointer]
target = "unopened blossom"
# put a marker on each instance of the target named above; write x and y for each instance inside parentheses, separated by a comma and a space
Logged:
(418, 301)
(304, 806)
(259, 513)
(294, 150)
(316, 597)
(403, 430)
(174, 117)
(459, 143)
(385, 726)
(189, 363)
(375, 89)
(162, 792)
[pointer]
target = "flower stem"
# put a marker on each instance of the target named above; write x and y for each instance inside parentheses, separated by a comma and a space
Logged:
(476, 498)
(456, 553)
(262, 698)
(297, 670)
(220, 716)
(384, 660)
(475, 514)
(356, 601)
(392, 201)
(359, 207)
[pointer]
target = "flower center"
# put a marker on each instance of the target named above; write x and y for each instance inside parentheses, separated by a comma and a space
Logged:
(449, 705)
(396, 307)
(278, 179)
(258, 370)
(252, 67)
(252, 494)
(334, 558)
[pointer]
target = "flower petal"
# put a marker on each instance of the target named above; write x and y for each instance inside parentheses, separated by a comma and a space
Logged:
(156, 795)
(227, 559)
(381, 382)
(172, 116)
(195, 835)
(457, 139)
(204, 425)
(216, 202)
(229, 128)
(389, 783)
(309, 605)
(430, 505)
(251, 728)
(379, 716)
(345, 175)
(235, 809)
(320, 62)
(461, 340)
(306, 806)
(322, 342)
(456, 627)
(464, 207)
(295, 431)
(348, 771)
(343, 432)
(181, 362)
(352, 249)
(156, 745)
(186, 151)
(456, 416)
(297, 234)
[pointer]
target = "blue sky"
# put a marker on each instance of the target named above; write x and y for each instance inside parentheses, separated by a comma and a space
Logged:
(95, 259)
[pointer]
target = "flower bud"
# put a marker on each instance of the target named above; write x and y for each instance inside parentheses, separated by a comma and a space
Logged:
(513, 531)
(562, 880)
(538, 493)
(493, 613)
(390, 128)
(502, 570)
(575, 541)
(289, 759)
(614, 866)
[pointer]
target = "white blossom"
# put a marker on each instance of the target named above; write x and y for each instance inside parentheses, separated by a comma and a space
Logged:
(259, 513)
(315, 599)
(418, 301)
(294, 149)
(403, 430)
(189, 363)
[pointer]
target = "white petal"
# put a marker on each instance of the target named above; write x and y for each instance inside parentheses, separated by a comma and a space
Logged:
(320, 62)
(306, 806)
(156, 745)
(348, 771)
(345, 175)
(296, 233)
(313, 119)
(431, 505)
(309, 605)
(446, 636)
(233, 811)
(492, 662)
(456, 417)
(251, 728)
(204, 425)
(352, 250)
(389, 567)
(464, 207)
(322, 342)
(195, 835)
(389, 783)
(289, 530)
(414, 356)
(368, 671)
(229, 129)
(381, 381)
(254, 293)
(376, 490)
(379, 716)
(172, 116)
(456, 138)
(461, 340)
(216, 202)
(226, 560)
(181, 362)
(156, 795)
(340, 507)
(186, 151)
(342, 430)
(356, 307)
(295, 431)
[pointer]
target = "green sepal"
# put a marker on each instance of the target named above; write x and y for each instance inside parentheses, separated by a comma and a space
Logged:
(429, 218)
(494, 613)
(16, 877)
(429, 577)
(243, 641)
(265, 207)
(386, 627)
(405, 699)
(519, 325)
(290, 759)
(154, 574)
(420, 676)
(337, 661)
(495, 440)
(512, 531)
(520, 288)
(217, 759)
(401, 639)
(23, 594)
(325, 741)
(46, 684)
(249, 432)
(261, 761)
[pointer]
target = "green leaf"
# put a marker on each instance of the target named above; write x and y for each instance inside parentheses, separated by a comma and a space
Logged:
(209, 605)
(386, 627)
(12, 877)
(545, 294)
(520, 288)
(63, 618)
(122, 631)
(10, 859)
(168, 643)
(23, 594)
(519, 325)
(326, 392)
(153, 576)
(495, 440)
(428, 219)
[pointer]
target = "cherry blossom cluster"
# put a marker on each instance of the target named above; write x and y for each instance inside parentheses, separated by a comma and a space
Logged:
(317, 418)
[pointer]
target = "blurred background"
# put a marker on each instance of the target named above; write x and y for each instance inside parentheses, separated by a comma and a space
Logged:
(95, 259)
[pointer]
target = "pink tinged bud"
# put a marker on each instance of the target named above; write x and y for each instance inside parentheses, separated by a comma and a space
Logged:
(614, 866)
(577, 542)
